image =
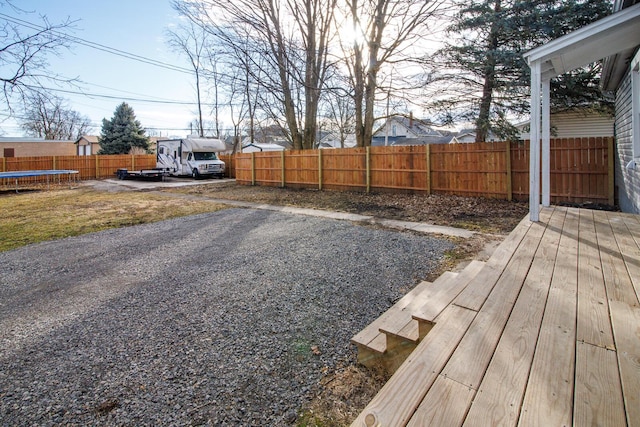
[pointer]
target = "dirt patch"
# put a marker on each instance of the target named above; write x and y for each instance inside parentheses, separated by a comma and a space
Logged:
(471, 213)
(342, 394)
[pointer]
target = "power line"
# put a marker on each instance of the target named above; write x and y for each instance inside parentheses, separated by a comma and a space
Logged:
(124, 98)
(98, 46)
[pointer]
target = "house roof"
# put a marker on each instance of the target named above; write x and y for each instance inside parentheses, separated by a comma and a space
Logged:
(417, 127)
(93, 139)
(615, 33)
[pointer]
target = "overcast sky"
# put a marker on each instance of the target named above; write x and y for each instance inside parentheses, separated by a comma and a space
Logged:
(134, 26)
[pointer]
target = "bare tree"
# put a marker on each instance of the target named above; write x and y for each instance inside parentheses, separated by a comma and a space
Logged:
(290, 37)
(24, 49)
(384, 30)
(339, 113)
(50, 118)
(191, 40)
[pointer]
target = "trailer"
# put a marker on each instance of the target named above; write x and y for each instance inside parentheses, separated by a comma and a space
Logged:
(195, 157)
(155, 174)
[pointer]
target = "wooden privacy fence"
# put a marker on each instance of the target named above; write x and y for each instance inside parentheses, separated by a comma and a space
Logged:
(89, 167)
(581, 169)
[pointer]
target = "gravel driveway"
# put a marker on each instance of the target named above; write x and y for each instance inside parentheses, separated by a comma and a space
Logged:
(225, 318)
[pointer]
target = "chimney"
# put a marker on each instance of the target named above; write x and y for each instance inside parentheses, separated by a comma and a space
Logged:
(410, 119)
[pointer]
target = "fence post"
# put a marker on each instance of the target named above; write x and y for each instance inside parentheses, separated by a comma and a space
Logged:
(428, 155)
(54, 164)
(611, 172)
(133, 162)
(319, 169)
(282, 167)
(253, 168)
(508, 162)
(368, 166)
(97, 168)
(4, 164)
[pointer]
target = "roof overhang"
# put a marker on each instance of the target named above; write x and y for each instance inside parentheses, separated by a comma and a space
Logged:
(614, 34)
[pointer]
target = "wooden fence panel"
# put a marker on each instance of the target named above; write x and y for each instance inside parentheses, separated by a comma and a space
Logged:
(399, 168)
(85, 165)
(243, 168)
(268, 168)
(520, 170)
(470, 169)
(344, 169)
(301, 168)
(230, 165)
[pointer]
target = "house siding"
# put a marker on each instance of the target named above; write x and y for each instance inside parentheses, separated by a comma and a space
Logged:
(578, 125)
(627, 181)
(572, 125)
(40, 148)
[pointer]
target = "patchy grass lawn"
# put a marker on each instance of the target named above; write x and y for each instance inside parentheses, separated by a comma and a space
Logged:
(33, 217)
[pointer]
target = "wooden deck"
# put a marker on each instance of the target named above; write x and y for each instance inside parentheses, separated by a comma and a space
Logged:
(546, 334)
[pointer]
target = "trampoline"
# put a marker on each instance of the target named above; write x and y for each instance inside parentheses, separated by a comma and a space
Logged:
(53, 172)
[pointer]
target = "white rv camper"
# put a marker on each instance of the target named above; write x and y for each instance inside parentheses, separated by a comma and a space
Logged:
(191, 156)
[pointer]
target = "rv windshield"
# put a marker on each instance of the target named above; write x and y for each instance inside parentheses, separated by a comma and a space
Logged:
(205, 156)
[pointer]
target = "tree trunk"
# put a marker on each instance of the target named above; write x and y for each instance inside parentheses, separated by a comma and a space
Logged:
(483, 123)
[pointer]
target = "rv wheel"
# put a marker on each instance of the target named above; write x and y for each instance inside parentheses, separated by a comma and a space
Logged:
(195, 174)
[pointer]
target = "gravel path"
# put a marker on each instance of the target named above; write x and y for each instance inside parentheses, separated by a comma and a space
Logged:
(217, 319)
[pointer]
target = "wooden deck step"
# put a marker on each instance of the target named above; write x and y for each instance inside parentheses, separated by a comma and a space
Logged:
(433, 301)
(429, 311)
(371, 337)
(397, 400)
(395, 324)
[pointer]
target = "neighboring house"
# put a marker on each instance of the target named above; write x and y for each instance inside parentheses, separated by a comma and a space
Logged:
(332, 140)
(400, 130)
(33, 147)
(575, 124)
(466, 136)
(615, 38)
(88, 145)
(257, 147)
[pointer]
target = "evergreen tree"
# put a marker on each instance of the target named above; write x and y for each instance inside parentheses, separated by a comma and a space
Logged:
(122, 133)
(483, 59)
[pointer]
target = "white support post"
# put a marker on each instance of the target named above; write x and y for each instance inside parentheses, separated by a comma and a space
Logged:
(546, 142)
(534, 145)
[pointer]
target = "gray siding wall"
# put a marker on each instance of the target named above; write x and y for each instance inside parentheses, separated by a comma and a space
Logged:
(573, 125)
(627, 181)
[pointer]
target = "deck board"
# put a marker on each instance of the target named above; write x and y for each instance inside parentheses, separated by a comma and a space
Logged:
(629, 249)
(548, 400)
(626, 326)
(448, 407)
(472, 356)
(474, 295)
(502, 389)
(594, 326)
(618, 284)
(598, 394)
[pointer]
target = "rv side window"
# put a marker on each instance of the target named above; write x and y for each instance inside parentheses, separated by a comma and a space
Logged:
(190, 157)
(161, 150)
